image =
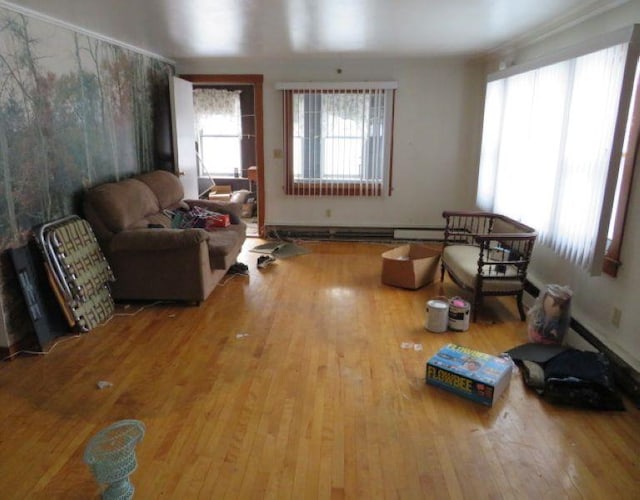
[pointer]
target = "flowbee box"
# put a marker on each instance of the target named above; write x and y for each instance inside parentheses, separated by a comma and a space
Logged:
(471, 374)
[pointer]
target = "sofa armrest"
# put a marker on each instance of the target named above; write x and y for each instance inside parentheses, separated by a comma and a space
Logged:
(156, 239)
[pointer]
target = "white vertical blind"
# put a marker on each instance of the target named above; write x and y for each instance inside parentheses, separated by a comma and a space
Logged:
(548, 143)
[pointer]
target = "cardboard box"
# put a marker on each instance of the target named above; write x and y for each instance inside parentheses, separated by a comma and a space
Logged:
(410, 266)
(471, 374)
(220, 193)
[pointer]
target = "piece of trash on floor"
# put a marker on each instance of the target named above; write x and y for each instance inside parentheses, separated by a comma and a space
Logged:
(103, 384)
(241, 335)
(172, 315)
(411, 345)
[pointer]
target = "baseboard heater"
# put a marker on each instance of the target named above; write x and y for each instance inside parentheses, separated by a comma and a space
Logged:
(382, 234)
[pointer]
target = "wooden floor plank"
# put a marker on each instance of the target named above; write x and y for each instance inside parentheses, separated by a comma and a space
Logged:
(291, 383)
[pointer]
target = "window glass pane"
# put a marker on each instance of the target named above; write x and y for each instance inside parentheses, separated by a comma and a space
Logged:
(298, 134)
(343, 129)
(338, 136)
(218, 122)
(297, 157)
(349, 151)
(221, 155)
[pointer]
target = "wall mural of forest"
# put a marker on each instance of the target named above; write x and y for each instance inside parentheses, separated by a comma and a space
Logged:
(75, 111)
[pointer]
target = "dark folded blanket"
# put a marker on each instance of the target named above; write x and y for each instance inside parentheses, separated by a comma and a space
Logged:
(566, 376)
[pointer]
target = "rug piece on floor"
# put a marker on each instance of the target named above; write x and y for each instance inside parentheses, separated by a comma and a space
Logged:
(280, 249)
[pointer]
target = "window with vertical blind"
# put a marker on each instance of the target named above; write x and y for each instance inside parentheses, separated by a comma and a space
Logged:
(338, 138)
(552, 145)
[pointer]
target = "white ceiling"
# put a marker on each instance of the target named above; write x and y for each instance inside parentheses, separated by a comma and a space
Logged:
(284, 28)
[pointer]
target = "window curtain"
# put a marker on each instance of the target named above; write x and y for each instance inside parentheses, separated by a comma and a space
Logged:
(217, 112)
(547, 148)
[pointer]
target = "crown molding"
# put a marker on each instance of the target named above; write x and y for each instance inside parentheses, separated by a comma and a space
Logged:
(72, 27)
(572, 18)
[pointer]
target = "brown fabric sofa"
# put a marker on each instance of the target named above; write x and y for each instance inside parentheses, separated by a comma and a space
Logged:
(150, 260)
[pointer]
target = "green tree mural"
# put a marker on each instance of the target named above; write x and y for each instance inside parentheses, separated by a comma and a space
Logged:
(75, 111)
(65, 130)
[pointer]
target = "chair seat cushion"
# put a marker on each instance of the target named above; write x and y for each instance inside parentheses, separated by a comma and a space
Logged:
(462, 262)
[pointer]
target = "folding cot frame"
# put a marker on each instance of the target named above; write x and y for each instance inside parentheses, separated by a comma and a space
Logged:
(77, 270)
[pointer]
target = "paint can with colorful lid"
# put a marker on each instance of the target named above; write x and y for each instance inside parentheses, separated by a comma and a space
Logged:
(459, 310)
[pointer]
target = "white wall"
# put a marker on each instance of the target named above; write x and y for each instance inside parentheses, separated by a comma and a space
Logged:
(595, 297)
(437, 133)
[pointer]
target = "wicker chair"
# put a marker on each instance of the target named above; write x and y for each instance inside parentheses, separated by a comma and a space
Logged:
(487, 254)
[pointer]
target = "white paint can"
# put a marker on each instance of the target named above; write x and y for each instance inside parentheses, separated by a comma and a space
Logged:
(437, 315)
(459, 310)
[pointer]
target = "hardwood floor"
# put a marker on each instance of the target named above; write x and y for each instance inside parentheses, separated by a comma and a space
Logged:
(317, 400)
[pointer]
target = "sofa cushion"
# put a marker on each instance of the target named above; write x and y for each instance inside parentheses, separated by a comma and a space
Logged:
(122, 205)
(166, 186)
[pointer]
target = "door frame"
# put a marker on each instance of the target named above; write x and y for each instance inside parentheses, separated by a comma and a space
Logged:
(256, 81)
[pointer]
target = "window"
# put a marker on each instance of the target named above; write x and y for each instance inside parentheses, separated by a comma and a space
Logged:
(218, 131)
(338, 138)
(551, 148)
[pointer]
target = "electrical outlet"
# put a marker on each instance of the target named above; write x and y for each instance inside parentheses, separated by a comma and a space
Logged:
(616, 315)
(278, 154)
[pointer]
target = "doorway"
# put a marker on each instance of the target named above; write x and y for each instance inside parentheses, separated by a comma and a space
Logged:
(252, 138)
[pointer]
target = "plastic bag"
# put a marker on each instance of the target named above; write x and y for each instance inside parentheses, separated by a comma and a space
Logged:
(549, 317)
